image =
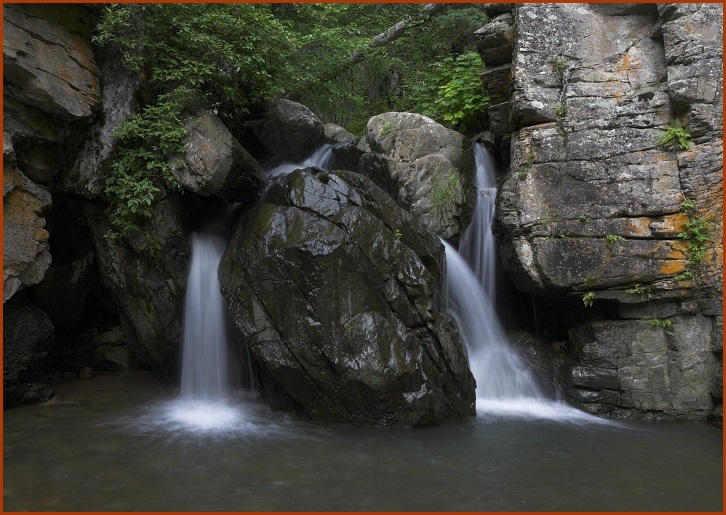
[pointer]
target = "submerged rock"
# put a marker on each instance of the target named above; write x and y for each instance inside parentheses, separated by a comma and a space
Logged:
(337, 291)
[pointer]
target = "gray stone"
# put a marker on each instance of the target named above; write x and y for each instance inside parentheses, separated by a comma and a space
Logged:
(362, 336)
(114, 358)
(337, 134)
(424, 160)
(290, 130)
(495, 40)
(27, 336)
(119, 100)
(215, 163)
(146, 274)
(47, 59)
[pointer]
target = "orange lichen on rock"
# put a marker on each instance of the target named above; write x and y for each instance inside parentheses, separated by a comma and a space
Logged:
(676, 261)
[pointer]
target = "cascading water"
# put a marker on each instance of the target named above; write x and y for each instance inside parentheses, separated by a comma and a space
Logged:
(321, 158)
(204, 402)
(504, 383)
(477, 244)
(204, 348)
(500, 373)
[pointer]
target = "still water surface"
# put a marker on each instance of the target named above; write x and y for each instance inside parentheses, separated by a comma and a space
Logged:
(116, 443)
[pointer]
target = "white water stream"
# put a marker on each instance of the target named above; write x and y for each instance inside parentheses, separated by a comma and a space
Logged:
(505, 386)
(321, 158)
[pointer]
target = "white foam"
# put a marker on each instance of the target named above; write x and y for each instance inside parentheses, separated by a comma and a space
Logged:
(533, 408)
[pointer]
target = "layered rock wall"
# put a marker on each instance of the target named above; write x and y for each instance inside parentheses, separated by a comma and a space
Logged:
(593, 206)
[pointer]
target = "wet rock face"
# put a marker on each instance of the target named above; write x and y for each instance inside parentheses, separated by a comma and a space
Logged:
(27, 337)
(290, 130)
(592, 202)
(146, 275)
(338, 293)
(630, 366)
(215, 163)
(426, 167)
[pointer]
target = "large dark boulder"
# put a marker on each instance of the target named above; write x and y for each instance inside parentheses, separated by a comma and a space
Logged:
(27, 337)
(290, 131)
(215, 163)
(338, 292)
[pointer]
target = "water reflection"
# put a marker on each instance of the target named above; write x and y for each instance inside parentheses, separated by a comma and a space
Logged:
(99, 451)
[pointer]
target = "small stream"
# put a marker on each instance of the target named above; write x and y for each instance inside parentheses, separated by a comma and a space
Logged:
(107, 444)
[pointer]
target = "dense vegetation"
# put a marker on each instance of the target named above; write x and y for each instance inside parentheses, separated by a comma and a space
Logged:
(232, 58)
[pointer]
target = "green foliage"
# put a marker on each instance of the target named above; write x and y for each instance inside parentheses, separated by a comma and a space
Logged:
(220, 56)
(397, 234)
(588, 299)
(445, 192)
(346, 80)
(636, 289)
(611, 239)
(147, 142)
(697, 232)
(386, 128)
(560, 111)
(583, 218)
(660, 322)
(675, 137)
(688, 206)
(453, 93)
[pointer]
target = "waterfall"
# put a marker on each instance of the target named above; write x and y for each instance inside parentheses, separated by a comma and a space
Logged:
(500, 373)
(477, 244)
(503, 379)
(204, 347)
(321, 158)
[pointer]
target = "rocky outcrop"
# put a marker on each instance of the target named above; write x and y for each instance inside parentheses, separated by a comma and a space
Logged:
(145, 272)
(26, 256)
(426, 167)
(215, 163)
(361, 336)
(27, 337)
(290, 131)
(47, 59)
(593, 206)
(50, 80)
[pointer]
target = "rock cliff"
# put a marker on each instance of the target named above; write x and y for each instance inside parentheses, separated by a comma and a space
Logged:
(593, 207)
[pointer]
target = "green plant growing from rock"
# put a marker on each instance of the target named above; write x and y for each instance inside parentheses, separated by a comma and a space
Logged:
(675, 137)
(523, 169)
(637, 289)
(660, 322)
(611, 239)
(588, 299)
(397, 234)
(560, 111)
(445, 192)
(697, 231)
(386, 128)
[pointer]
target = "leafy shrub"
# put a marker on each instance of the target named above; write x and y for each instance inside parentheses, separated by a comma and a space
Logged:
(221, 56)
(453, 94)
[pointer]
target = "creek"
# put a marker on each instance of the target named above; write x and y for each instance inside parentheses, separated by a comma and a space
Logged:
(106, 445)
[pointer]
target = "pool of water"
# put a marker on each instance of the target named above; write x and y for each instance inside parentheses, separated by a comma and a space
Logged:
(124, 443)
